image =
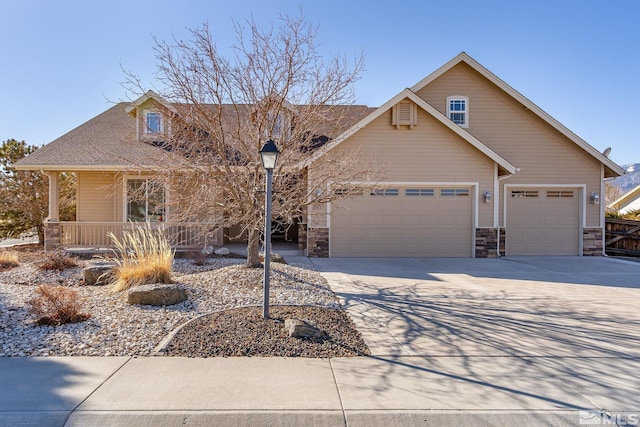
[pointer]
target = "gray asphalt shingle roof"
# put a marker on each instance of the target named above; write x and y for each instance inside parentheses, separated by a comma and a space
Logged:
(107, 141)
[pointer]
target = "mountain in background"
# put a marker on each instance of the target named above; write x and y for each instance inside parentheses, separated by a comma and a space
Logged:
(629, 180)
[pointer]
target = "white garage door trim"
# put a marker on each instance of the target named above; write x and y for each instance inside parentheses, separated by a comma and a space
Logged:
(473, 186)
(582, 195)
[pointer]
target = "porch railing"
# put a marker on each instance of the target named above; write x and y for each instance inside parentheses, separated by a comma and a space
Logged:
(95, 234)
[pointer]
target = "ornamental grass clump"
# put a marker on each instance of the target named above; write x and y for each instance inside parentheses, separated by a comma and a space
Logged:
(8, 259)
(143, 256)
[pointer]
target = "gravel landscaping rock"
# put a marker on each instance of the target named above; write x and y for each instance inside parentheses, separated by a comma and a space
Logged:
(244, 332)
(119, 329)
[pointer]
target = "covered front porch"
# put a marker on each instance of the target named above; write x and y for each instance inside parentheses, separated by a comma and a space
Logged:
(105, 206)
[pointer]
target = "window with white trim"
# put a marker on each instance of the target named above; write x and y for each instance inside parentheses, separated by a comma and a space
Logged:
(153, 122)
(458, 110)
(145, 200)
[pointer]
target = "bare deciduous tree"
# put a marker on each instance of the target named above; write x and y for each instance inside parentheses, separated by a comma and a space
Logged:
(612, 192)
(273, 85)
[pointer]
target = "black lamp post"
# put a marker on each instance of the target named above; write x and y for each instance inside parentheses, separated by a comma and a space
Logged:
(269, 155)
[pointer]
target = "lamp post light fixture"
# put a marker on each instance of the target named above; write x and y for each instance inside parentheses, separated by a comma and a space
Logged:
(269, 156)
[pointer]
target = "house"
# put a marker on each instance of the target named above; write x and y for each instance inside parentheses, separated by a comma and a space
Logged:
(628, 202)
(472, 169)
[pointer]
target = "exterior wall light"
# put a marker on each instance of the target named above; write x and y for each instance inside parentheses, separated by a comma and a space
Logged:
(595, 198)
(487, 197)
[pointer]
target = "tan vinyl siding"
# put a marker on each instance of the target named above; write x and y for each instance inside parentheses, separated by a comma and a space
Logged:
(543, 155)
(96, 197)
(427, 153)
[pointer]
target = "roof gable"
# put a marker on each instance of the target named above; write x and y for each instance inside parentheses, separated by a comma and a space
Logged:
(149, 95)
(409, 94)
(612, 168)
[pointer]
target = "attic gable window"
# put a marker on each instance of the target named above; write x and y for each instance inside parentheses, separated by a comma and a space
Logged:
(404, 113)
(458, 110)
(153, 121)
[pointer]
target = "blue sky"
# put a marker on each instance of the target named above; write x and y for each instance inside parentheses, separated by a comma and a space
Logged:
(576, 59)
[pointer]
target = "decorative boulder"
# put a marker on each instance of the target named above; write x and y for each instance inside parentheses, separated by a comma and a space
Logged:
(207, 251)
(301, 329)
(156, 294)
(222, 251)
(98, 274)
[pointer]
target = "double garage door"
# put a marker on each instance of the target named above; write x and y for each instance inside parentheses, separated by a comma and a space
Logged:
(404, 221)
(543, 221)
(438, 222)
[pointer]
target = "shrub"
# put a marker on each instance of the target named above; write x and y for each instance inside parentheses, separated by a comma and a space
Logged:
(56, 305)
(143, 256)
(57, 260)
(8, 259)
(198, 257)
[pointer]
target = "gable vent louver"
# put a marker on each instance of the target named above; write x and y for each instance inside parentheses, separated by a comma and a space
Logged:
(404, 114)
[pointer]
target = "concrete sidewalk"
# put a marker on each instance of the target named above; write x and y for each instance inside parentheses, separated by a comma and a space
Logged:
(392, 391)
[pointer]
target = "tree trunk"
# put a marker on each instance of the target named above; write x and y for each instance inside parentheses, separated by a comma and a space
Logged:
(253, 252)
(40, 229)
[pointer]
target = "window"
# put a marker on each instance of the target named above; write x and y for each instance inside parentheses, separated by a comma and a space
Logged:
(458, 110)
(145, 200)
(559, 194)
(385, 192)
(153, 122)
(530, 194)
(278, 125)
(420, 192)
(454, 192)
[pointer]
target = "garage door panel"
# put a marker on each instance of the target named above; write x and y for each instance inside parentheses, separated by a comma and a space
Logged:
(402, 225)
(543, 221)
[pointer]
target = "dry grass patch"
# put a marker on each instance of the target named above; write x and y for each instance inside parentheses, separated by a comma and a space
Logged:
(56, 305)
(8, 259)
(143, 256)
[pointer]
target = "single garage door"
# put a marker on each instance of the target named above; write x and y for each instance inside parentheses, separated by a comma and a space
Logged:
(398, 222)
(543, 221)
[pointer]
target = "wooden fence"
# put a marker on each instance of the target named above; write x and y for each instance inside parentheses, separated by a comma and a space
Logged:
(622, 237)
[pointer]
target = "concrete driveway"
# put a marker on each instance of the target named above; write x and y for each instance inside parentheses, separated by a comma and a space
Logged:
(548, 332)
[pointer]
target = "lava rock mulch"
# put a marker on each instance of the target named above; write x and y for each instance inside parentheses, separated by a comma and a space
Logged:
(244, 332)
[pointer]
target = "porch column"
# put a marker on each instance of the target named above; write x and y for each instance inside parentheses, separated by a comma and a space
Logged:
(54, 206)
(52, 223)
